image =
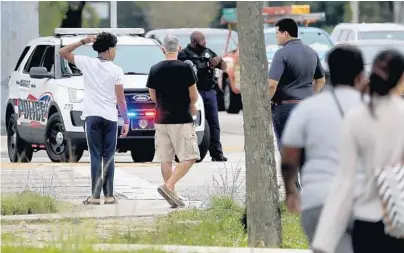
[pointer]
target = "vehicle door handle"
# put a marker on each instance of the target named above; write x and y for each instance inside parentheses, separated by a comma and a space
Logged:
(18, 82)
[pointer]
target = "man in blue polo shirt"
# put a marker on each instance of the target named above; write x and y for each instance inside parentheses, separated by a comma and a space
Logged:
(293, 69)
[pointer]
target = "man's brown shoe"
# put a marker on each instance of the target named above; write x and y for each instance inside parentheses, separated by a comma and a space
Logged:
(170, 196)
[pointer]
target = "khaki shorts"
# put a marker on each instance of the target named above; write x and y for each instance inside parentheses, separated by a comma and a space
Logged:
(176, 139)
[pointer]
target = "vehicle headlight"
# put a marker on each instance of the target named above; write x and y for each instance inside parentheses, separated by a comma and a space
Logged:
(76, 96)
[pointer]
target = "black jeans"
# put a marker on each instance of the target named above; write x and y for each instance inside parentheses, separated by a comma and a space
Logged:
(369, 237)
(101, 137)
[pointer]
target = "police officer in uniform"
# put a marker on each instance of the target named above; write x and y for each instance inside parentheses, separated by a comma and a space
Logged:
(205, 61)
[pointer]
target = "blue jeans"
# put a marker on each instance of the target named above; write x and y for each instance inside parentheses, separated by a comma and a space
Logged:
(101, 137)
(280, 115)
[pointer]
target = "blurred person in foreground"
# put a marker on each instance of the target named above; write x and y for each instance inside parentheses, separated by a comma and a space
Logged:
(103, 89)
(372, 136)
(172, 86)
(206, 61)
(314, 125)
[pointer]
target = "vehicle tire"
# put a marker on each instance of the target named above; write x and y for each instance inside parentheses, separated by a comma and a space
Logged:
(143, 152)
(58, 147)
(232, 101)
(220, 99)
(204, 146)
(18, 150)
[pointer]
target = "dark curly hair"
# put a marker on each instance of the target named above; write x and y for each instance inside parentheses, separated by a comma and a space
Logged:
(104, 42)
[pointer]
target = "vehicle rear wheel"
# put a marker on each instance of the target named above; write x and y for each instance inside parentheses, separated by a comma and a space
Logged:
(18, 150)
(220, 99)
(58, 147)
(204, 145)
(143, 152)
(232, 101)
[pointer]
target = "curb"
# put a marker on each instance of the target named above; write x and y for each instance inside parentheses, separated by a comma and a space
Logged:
(169, 248)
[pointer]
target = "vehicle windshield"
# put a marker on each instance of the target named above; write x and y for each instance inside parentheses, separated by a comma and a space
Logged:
(214, 41)
(137, 59)
(370, 51)
(382, 35)
(317, 40)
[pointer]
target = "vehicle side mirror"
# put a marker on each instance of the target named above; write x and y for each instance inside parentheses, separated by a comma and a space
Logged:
(39, 72)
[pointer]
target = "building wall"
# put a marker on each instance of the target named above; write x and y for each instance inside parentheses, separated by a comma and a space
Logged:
(19, 24)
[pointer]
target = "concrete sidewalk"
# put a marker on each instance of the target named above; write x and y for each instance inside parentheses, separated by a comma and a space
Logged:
(124, 209)
(171, 248)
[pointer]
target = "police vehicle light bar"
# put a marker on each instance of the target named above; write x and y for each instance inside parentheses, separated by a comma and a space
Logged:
(94, 31)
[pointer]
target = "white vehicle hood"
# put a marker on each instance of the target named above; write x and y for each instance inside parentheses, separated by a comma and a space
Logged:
(129, 82)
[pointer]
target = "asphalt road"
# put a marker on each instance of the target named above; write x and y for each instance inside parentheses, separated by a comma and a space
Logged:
(134, 181)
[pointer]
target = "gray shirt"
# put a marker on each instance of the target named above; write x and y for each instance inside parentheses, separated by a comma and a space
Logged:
(315, 125)
(295, 66)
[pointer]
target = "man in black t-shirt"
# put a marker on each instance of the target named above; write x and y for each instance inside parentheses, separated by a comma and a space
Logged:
(172, 86)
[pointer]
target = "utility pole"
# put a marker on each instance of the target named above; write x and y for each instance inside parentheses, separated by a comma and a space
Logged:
(113, 14)
(19, 24)
(355, 11)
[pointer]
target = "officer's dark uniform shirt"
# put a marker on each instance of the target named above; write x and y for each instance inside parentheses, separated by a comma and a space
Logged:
(205, 76)
(294, 66)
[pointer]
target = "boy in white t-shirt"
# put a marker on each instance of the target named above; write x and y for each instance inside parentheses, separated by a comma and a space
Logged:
(103, 89)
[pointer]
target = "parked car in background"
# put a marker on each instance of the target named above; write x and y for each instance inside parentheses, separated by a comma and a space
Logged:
(316, 38)
(345, 32)
(216, 39)
(370, 48)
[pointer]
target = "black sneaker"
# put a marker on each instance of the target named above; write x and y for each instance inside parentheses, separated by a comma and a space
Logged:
(219, 158)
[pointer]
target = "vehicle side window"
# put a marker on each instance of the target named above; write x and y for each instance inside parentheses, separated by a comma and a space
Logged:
(35, 59)
(342, 35)
(350, 36)
(48, 60)
(22, 56)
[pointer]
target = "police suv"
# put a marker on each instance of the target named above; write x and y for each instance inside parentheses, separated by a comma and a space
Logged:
(45, 100)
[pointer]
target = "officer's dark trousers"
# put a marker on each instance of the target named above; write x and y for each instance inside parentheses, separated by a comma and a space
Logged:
(212, 116)
(101, 137)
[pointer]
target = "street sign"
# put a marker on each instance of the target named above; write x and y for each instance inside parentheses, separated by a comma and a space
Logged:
(229, 15)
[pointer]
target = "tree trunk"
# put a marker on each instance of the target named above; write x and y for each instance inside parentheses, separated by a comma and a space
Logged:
(263, 210)
(74, 14)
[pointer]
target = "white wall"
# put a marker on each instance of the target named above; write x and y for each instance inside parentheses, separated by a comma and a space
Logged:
(19, 24)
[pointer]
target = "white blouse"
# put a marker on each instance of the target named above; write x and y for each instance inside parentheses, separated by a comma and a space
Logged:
(371, 141)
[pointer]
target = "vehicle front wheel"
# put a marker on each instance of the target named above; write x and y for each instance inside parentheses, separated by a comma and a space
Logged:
(143, 152)
(232, 101)
(18, 150)
(58, 147)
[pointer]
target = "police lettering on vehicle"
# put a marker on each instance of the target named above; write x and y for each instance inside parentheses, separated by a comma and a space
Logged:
(34, 109)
